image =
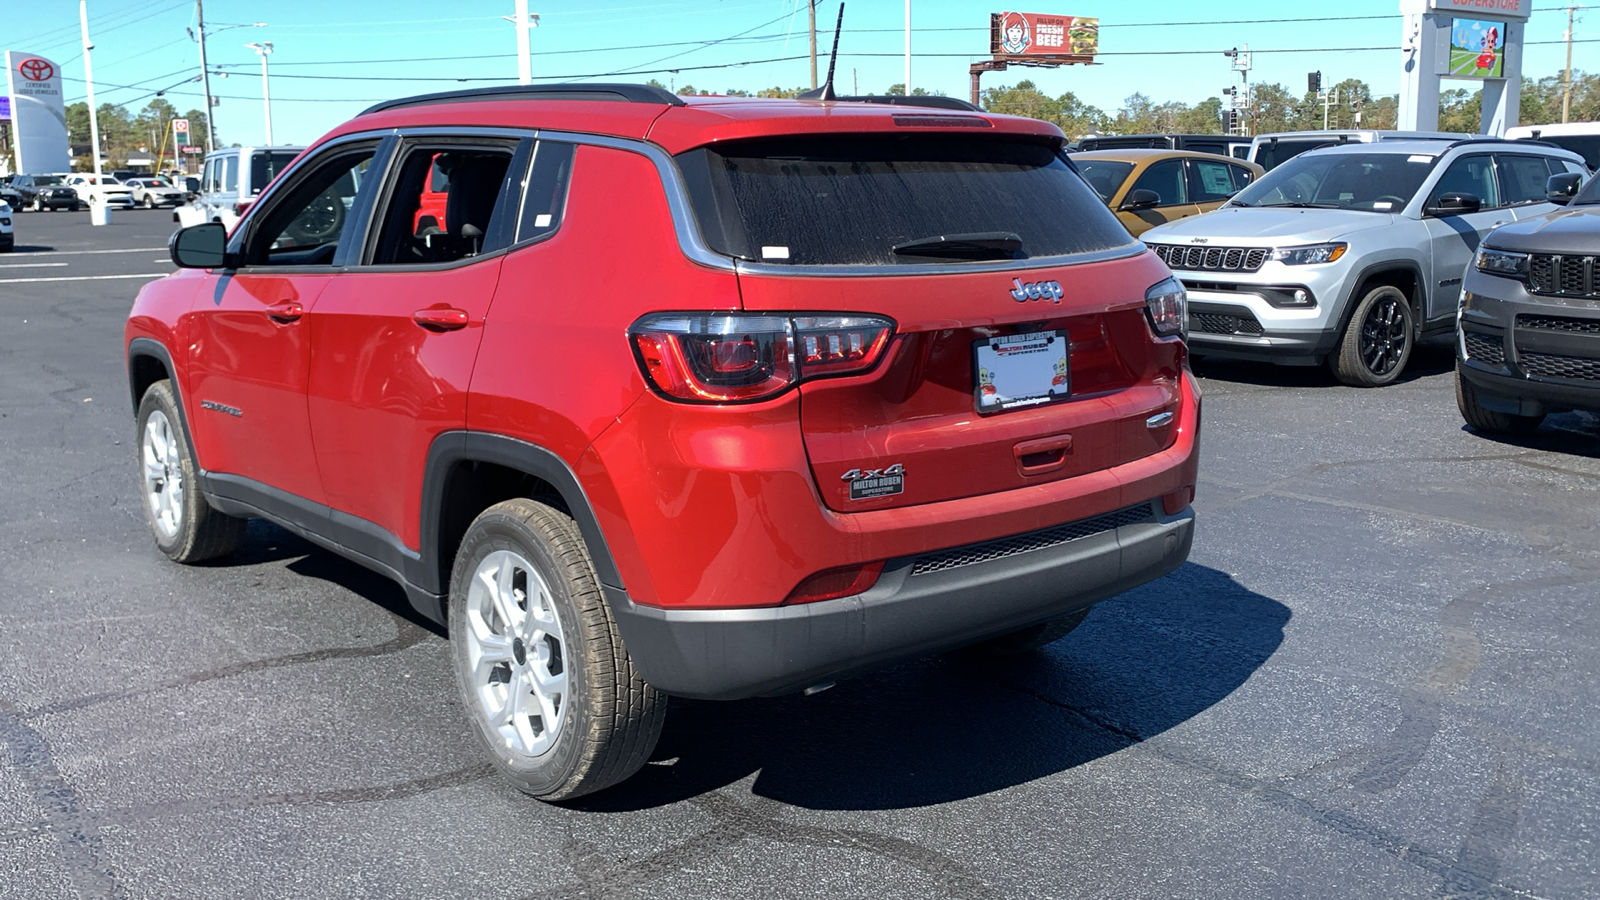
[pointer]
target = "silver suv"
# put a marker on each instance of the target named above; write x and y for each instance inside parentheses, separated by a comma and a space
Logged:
(1351, 254)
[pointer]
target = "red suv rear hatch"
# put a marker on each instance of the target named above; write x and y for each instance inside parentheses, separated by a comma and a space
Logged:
(944, 234)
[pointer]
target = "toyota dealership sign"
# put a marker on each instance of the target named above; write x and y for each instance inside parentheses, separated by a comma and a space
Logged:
(38, 113)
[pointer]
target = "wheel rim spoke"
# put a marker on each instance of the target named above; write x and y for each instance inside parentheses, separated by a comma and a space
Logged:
(514, 654)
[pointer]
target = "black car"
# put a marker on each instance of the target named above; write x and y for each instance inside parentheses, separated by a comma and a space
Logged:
(9, 194)
(42, 192)
(1528, 333)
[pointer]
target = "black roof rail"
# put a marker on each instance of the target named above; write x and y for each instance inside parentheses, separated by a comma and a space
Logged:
(927, 100)
(1480, 139)
(605, 93)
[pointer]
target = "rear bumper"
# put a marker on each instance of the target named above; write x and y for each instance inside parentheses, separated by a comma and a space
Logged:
(921, 605)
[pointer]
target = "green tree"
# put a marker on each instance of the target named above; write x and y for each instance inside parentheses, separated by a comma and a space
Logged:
(197, 128)
(1460, 110)
(1023, 100)
(898, 89)
(781, 92)
(78, 123)
(1276, 109)
(1204, 117)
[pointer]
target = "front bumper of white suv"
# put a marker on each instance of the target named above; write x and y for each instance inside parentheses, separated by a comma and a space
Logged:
(1244, 304)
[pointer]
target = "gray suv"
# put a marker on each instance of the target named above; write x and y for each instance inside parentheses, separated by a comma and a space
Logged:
(1349, 255)
(1529, 332)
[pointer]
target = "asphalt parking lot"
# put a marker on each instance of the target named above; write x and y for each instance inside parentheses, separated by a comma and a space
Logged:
(1375, 677)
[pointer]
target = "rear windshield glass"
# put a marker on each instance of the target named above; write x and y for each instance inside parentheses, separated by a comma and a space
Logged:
(1272, 154)
(265, 166)
(851, 199)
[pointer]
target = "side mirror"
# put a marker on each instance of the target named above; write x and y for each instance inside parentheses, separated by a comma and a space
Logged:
(192, 185)
(203, 246)
(1140, 199)
(1560, 189)
(1454, 203)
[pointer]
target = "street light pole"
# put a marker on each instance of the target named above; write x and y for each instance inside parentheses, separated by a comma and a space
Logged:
(264, 50)
(524, 22)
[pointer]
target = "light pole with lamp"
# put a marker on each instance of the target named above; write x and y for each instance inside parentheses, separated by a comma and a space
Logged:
(198, 33)
(264, 50)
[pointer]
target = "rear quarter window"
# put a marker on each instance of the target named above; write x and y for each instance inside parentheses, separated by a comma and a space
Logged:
(850, 199)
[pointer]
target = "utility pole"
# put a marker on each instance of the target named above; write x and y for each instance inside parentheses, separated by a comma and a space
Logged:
(811, 10)
(1566, 76)
(99, 213)
(205, 74)
(908, 48)
(264, 50)
(524, 22)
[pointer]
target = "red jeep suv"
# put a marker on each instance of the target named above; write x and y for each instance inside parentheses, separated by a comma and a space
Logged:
(699, 396)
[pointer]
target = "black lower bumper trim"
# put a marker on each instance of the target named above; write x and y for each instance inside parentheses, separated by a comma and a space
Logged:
(729, 654)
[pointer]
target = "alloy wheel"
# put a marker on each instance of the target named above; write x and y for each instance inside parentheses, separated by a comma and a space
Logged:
(517, 653)
(1384, 336)
(163, 475)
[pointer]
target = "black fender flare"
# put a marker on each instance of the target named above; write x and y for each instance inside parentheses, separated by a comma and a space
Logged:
(154, 349)
(1419, 303)
(454, 447)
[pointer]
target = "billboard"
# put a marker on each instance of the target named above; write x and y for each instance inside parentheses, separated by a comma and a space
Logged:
(1505, 9)
(180, 132)
(1477, 48)
(38, 113)
(1025, 37)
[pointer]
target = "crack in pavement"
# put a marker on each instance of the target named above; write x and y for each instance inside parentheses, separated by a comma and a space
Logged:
(31, 758)
(81, 825)
(409, 635)
(735, 822)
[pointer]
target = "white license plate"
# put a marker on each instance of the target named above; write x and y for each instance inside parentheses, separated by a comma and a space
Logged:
(1020, 370)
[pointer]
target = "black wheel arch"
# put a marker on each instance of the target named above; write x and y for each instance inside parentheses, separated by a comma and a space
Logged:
(1394, 273)
(148, 363)
(469, 471)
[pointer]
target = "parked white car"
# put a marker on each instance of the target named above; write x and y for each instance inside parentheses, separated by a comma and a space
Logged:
(7, 238)
(104, 189)
(151, 191)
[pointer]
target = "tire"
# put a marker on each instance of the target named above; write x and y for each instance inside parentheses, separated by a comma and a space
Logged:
(185, 526)
(149, 202)
(1487, 420)
(567, 657)
(1377, 341)
(1026, 640)
(38, 205)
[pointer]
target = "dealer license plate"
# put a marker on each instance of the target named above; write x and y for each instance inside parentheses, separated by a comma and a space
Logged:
(1020, 370)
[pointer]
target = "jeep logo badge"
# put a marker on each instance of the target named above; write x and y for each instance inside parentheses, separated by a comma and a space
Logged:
(1036, 290)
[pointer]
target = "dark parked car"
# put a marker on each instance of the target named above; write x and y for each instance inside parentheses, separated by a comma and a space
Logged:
(1528, 341)
(42, 192)
(9, 194)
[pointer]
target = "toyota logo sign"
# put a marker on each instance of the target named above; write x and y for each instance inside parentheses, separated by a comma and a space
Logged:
(36, 70)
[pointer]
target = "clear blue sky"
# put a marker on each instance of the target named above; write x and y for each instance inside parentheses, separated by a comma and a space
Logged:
(322, 74)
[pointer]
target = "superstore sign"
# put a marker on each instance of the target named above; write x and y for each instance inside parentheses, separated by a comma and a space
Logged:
(1515, 9)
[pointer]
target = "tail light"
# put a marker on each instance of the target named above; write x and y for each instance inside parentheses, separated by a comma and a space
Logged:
(241, 206)
(1165, 303)
(835, 583)
(731, 358)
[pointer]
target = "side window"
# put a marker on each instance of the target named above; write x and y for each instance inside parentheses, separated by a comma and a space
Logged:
(230, 174)
(545, 190)
(1522, 178)
(1211, 182)
(1242, 177)
(303, 225)
(1469, 175)
(1166, 179)
(446, 204)
(211, 185)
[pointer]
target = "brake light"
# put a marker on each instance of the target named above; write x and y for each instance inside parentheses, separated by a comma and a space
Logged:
(731, 358)
(835, 583)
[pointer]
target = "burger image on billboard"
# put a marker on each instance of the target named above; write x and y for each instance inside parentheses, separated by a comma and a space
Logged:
(1014, 34)
(1477, 48)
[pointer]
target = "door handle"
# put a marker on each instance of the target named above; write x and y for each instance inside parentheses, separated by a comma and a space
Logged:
(287, 311)
(447, 319)
(1043, 455)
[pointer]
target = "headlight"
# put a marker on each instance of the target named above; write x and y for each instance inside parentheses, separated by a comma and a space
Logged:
(1310, 255)
(1502, 262)
(1165, 303)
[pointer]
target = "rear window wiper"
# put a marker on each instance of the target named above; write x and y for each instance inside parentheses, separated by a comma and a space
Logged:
(971, 245)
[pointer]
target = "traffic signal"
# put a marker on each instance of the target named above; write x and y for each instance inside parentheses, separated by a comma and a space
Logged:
(1231, 117)
(1314, 82)
(1229, 91)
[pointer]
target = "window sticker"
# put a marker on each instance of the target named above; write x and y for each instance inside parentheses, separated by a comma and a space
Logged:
(542, 220)
(774, 252)
(1421, 158)
(1216, 180)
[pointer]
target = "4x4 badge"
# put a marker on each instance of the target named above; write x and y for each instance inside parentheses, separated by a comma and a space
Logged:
(868, 484)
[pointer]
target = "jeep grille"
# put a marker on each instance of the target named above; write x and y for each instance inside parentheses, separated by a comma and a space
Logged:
(1562, 276)
(1219, 259)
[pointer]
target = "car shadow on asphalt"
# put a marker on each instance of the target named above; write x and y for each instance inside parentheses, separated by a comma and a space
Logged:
(266, 542)
(1434, 357)
(1570, 434)
(945, 728)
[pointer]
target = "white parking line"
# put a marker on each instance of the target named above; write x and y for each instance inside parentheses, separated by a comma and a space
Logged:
(81, 278)
(32, 265)
(78, 252)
